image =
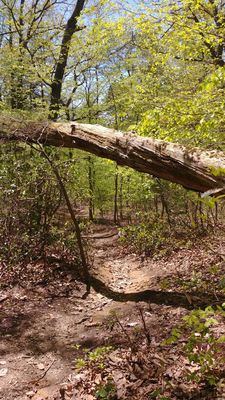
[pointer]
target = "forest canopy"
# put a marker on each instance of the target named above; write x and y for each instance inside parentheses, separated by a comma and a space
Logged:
(153, 67)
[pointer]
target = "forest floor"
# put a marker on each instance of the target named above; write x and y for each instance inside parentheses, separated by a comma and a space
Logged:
(47, 329)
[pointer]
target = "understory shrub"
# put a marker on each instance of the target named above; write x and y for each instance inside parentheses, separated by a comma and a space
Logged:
(147, 237)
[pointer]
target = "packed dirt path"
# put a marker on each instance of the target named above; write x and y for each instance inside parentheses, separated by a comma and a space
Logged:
(42, 328)
(39, 332)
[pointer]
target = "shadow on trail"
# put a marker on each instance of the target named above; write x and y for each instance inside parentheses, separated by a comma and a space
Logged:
(30, 328)
(11, 324)
(19, 331)
(187, 300)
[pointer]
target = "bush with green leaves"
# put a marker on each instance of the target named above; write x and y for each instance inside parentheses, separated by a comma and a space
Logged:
(204, 348)
(146, 237)
(106, 391)
(33, 213)
(94, 358)
(29, 200)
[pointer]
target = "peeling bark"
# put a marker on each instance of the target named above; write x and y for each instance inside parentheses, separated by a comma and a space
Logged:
(194, 169)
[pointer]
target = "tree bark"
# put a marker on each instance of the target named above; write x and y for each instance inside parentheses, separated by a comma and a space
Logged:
(115, 213)
(56, 86)
(202, 171)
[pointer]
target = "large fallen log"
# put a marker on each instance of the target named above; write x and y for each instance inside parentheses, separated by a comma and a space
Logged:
(202, 171)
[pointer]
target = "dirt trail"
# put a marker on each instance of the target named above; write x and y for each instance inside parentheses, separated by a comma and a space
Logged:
(39, 331)
(126, 272)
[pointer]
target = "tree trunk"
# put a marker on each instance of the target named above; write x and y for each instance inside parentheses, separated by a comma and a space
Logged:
(202, 171)
(115, 213)
(56, 85)
(91, 188)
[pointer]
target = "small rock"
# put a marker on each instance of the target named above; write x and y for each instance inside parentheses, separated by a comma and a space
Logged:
(132, 324)
(41, 366)
(3, 371)
(30, 394)
(92, 324)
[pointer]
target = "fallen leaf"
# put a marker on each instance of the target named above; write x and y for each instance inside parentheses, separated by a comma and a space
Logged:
(98, 379)
(3, 298)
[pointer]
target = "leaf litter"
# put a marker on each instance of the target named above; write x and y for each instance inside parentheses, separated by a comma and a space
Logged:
(40, 321)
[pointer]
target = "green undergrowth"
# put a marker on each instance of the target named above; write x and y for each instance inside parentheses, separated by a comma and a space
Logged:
(207, 279)
(204, 345)
(147, 237)
(191, 356)
(157, 238)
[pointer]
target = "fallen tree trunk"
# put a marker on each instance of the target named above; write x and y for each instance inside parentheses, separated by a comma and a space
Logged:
(202, 171)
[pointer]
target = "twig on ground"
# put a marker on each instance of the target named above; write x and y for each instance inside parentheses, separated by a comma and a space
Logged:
(45, 372)
(146, 332)
(221, 255)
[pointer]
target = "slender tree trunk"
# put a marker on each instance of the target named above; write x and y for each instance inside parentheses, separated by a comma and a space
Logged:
(91, 188)
(121, 197)
(115, 214)
(12, 75)
(20, 94)
(116, 119)
(84, 263)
